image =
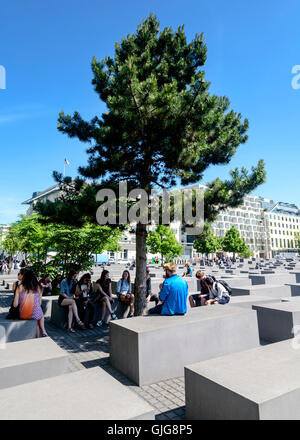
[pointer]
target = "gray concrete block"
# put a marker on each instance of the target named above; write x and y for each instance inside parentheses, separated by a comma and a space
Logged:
(90, 394)
(274, 279)
(277, 320)
(297, 275)
(59, 315)
(263, 289)
(153, 348)
(18, 330)
(249, 301)
(237, 282)
(47, 305)
(295, 289)
(258, 384)
(31, 360)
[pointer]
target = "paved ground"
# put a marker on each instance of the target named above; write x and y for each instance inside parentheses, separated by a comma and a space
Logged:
(90, 348)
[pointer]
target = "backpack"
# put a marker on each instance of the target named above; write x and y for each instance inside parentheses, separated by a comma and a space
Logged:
(226, 285)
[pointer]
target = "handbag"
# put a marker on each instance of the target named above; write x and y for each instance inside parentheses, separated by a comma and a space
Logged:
(14, 312)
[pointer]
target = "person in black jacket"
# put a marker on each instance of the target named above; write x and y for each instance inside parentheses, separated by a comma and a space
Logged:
(200, 298)
(149, 295)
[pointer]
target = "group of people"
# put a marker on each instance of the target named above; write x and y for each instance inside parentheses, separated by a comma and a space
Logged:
(6, 265)
(82, 298)
(219, 261)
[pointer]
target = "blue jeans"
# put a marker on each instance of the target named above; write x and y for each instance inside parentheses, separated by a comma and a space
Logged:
(224, 300)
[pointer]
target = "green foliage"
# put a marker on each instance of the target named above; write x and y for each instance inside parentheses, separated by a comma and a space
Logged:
(297, 241)
(233, 242)
(10, 244)
(27, 236)
(73, 245)
(246, 253)
(40, 268)
(162, 123)
(208, 243)
(163, 241)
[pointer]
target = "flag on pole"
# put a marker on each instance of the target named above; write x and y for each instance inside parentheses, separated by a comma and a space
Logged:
(66, 162)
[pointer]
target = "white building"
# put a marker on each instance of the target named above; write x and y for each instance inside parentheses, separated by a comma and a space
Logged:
(50, 194)
(268, 227)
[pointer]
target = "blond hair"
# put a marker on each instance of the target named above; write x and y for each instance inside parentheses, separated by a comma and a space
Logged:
(170, 266)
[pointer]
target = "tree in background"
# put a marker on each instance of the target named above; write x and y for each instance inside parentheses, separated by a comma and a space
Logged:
(73, 246)
(32, 237)
(10, 243)
(208, 243)
(163, 241)
(233, 243)
(246, 253)
(297, 241)
(162, 127)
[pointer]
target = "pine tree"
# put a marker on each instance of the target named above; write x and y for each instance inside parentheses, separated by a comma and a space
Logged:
(162, 127)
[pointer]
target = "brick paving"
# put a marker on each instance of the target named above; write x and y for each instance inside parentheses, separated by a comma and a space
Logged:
(90, 348)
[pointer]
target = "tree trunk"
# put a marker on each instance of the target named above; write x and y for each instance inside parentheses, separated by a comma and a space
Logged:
(141, 266)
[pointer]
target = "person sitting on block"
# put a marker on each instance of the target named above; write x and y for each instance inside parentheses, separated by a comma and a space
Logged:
(217, 293)
(173, 294)
(200, 298)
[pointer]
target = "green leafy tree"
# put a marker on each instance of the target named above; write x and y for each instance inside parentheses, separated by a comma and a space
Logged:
(162, 127)
(233, 242)
(208, 243)
(73, 246)
(10, 243)
(246, 253)
(33, 238)
(297, 241)
(163, 241)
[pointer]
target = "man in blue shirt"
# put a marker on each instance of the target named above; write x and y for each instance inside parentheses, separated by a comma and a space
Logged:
(173, 295)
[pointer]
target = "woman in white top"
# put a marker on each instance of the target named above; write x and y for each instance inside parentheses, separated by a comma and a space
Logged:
(124, 292)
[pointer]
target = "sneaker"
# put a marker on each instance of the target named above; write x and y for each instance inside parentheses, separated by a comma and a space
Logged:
(99, 323)
(131, 315)
(113, 316)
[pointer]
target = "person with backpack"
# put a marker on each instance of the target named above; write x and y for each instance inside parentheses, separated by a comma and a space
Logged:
(218, 293)
(199, 299)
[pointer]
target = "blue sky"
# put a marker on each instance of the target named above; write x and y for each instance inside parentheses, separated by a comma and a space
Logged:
(46, 49)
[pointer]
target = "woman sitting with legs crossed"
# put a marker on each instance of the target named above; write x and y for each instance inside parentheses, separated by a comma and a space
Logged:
(66, 299)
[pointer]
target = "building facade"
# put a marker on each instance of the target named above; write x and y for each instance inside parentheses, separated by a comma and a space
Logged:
(268, 227)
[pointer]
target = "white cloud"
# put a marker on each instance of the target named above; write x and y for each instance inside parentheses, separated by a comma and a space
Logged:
(20, 112)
